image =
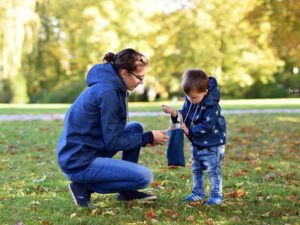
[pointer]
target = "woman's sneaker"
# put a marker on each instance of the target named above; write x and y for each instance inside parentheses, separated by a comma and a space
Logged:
(215, 201)
(193, 198)
(135, 195)
(80, 194)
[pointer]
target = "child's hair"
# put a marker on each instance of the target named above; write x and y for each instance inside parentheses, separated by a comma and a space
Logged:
(194, 79)
(128, 59)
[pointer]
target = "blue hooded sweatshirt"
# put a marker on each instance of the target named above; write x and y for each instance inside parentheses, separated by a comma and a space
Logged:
(207, 127)
(95, 122)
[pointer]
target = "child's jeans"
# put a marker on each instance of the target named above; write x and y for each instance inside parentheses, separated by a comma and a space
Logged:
(207, 159)
(108, 175)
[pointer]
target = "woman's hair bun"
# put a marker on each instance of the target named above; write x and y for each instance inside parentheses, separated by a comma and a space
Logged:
(109, 57)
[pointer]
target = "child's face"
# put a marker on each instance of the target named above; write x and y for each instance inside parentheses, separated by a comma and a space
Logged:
(196, 97)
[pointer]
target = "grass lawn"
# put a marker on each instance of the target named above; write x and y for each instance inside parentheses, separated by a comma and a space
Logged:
(260, 178)
(290, 103)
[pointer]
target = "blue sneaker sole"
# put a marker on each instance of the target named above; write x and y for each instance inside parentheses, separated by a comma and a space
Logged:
(213, 203)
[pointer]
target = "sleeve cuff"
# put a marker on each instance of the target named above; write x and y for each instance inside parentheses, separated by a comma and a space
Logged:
(147, 138)
(174, 119)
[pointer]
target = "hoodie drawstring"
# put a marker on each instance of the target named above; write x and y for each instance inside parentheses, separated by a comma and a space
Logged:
(192, 122)
(126, 103)
(187, 113)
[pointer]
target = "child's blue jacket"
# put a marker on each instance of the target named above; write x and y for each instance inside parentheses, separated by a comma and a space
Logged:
(95, 122)
(207, 127)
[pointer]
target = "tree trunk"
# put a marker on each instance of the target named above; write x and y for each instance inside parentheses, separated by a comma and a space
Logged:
(19, 24)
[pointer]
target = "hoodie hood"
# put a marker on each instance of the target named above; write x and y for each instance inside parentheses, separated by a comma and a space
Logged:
(106, 74)
(213, 95)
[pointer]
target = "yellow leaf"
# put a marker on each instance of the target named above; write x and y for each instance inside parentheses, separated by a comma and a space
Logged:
(94, 212)
(258, 169)
(102, 205)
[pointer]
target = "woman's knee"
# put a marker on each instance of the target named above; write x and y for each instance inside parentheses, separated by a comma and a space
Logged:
(136, 126)
(145, 177)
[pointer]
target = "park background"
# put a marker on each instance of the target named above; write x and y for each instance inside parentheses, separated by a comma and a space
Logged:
(250, 46)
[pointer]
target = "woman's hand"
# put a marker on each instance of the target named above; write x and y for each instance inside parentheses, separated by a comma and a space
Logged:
(160, 137)
(169, 110)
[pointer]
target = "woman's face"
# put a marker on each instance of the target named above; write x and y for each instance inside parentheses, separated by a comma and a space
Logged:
(134, 78)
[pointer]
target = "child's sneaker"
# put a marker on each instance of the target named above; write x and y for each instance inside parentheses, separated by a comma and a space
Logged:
(80, 194)
(215, 201)
(193, 198)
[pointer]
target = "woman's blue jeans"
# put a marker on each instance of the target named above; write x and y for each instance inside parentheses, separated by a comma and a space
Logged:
(108, 175)
(207, 159)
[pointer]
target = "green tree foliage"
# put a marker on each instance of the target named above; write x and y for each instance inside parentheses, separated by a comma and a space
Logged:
(251, 46)
(282, 18)
(216, 37)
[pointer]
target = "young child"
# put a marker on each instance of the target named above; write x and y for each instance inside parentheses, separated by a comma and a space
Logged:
(206, 129)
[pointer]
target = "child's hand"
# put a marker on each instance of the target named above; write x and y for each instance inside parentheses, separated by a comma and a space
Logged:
(185, 129)
(169, 110)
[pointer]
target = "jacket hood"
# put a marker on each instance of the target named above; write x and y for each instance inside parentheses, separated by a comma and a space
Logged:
(213, 95)
(106, 74)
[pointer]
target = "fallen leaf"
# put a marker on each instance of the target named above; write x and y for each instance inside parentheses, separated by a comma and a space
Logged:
(109, 212)
(155, 184)
(266, 214)
(236, 194)
(153, 221)
(292, 197)
(269, 176)
(150, 214)
(209, 222)
(241, 172)
(253, 162)
(171, 213)
(270, 167)
(19, 223)
(168, 212)
(202, 214)
(235, 219)
(102, 205)
(45, 222)
(94, 212)
(195, 203)
(172, 167)
(175, 215)
(258, 169)
(240, 193)
(190, 218)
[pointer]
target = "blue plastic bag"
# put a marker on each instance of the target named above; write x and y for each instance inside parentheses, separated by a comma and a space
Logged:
(175, 149)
